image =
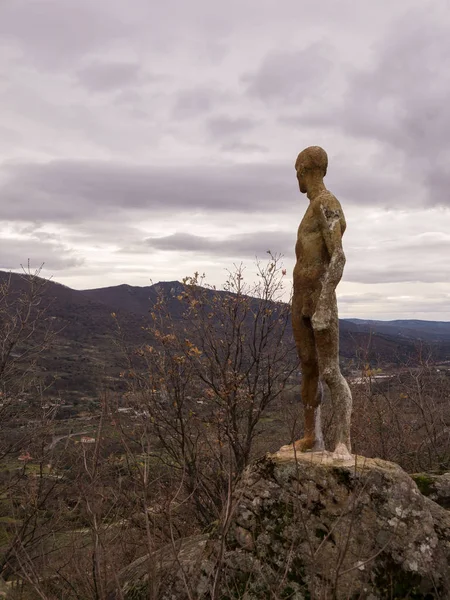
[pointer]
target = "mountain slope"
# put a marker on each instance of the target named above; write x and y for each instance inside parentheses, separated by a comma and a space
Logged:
(85, 354)
(384, 341)
(430, 331)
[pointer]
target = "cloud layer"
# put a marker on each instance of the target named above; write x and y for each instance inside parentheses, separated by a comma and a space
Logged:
(154, 141)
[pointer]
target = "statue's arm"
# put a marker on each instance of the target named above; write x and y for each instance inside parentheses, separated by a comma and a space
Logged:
(332, 225)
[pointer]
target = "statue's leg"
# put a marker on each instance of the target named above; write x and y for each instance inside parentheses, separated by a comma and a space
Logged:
(327, 345)
(310, 389)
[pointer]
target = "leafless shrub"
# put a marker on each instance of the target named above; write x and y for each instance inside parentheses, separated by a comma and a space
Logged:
(210, 376)
(404, 415)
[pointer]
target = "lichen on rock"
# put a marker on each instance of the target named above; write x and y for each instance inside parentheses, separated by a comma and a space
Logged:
(436, 487)
(309, 526)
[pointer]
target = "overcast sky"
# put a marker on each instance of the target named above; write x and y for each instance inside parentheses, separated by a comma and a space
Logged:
(144, 140)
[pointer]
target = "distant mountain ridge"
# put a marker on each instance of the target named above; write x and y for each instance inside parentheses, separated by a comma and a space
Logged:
(86, 351)
(134, 299)
(429, 331)
(390, 341)
(138, 299)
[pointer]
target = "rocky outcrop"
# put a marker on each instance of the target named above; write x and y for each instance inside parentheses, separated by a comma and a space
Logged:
(435, 487)
(308, 526)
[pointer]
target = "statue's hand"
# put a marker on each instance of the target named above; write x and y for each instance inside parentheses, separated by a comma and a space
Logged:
(321, 318)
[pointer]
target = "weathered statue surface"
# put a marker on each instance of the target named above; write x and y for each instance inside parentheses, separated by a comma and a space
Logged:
(318, 270)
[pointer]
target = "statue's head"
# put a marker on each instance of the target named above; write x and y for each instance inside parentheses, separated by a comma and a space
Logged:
(311, 161)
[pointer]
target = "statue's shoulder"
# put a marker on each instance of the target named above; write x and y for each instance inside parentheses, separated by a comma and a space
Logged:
(327, 206)
(328, 199)
(326, 202)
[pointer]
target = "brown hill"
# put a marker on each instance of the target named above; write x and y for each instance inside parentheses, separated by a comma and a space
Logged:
(85, 354)
(358, 339)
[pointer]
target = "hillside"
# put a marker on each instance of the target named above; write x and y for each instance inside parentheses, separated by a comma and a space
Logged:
(85, 355)
(386, 341)
(428, 331)
(83, 351)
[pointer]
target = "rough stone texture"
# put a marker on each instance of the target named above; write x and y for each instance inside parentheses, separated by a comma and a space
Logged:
(435, 487)
(313, 527)
(319, 266)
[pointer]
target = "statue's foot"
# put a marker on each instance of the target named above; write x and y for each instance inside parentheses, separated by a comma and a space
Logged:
(304, 444)
(341, 452)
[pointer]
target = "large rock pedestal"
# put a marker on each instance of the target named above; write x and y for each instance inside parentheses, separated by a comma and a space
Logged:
(308, 526)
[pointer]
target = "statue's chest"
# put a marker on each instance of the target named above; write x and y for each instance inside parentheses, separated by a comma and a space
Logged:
(308, 225)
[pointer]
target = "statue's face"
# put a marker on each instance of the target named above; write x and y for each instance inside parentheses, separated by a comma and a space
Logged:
(301, 178)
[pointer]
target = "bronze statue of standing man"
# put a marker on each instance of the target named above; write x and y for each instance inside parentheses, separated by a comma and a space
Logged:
(318, 270)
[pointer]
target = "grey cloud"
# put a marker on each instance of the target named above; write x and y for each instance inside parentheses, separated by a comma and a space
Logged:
(71, 191)
(243, 147)
(401, 101)
(386, 273)
(99, 77)
(195, 102)
(397, 104)
(356, 299)
(400, 261)
(55, 257)
(81, 191)
(370, 187)
(428, 242)
(375, 304)
(56, 33)
(224, 126)
(241, 245)
(407, 90)
(418, 306)
(8, 137)
(106, 230)
(290, 76)
(135, 103)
